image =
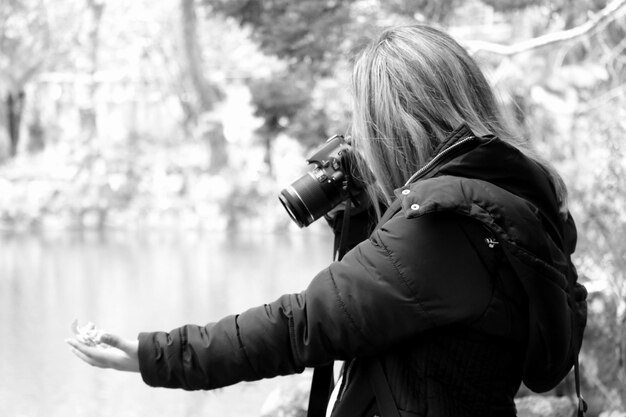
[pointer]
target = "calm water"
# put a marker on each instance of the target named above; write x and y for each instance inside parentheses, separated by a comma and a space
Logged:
(128, 283)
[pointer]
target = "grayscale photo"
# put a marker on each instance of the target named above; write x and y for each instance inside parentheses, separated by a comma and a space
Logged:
(313, 208)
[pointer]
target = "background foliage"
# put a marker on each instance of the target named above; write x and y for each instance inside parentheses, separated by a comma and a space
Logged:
(194, 114)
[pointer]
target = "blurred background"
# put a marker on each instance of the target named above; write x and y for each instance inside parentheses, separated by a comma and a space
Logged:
(143, 145)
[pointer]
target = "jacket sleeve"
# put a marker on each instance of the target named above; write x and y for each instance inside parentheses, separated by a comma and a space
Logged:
(411, 275)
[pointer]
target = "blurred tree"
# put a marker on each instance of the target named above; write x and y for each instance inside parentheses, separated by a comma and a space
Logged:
(277, 100)
(311, 32)
(428, 10)
(207, 93)
(586, 28)
(314, 38)
(204, 94)
(88, 116)
(31, 41)
(509, 5)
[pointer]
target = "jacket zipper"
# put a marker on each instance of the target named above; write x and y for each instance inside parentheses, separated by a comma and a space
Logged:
(437, 158)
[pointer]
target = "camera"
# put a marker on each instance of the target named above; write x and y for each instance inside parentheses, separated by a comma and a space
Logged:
(324, 186)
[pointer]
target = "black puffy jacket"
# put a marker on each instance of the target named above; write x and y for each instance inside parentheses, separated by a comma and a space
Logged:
(439, 293)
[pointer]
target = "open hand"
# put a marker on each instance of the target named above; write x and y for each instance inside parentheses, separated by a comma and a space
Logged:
(112, 352)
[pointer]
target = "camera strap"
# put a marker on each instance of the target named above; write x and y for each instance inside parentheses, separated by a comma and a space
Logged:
(380, 385)
(582, 404)
(323, 376)
(340, 247)
(321, 387)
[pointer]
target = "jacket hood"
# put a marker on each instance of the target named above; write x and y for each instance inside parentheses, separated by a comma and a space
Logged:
(491, 181)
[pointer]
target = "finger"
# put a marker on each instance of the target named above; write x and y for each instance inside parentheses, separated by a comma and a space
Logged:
(86, 358)
(112, 340)
(118, 342)
(77, 346)
(95, 353)
(74, 343)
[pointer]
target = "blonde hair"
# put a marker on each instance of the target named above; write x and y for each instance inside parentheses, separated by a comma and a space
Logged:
(412, 86)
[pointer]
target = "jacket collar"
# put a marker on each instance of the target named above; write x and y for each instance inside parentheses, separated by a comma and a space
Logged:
(458, 142)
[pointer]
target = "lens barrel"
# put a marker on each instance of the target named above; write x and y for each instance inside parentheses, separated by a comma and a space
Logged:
(310, 197)
(321, 189)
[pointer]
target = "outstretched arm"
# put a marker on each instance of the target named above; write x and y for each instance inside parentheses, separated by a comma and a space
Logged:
(390, 288)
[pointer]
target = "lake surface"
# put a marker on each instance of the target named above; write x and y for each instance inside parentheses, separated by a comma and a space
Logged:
(127, 283)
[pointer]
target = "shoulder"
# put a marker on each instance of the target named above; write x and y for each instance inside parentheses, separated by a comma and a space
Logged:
(466, 196)
(435, 243)
(444, 259)
(446, 215)
(511, 217)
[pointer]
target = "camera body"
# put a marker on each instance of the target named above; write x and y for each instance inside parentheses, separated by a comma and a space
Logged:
(323, 187)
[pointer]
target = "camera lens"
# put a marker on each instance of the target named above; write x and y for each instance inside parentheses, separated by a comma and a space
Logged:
(295, 207)
(309, 198)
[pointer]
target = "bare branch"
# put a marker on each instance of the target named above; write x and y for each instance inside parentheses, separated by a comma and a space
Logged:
(612, 11)
(615, 52)
(601, 100)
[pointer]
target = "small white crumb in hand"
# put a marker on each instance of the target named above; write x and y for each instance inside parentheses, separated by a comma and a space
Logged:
(88, 334)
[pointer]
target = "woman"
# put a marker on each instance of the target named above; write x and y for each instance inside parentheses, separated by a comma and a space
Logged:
(459, 294)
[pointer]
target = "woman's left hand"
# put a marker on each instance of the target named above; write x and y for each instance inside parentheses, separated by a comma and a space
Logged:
(119, 353)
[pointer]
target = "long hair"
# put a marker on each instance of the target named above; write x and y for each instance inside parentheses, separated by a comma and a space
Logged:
(412, 86)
